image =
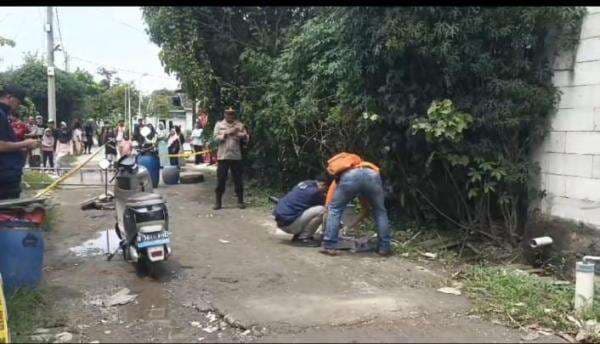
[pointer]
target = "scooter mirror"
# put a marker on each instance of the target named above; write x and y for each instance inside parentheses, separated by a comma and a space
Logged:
(145, 131)
(104, 164)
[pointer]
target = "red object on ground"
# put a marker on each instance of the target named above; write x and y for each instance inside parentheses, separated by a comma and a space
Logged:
(36, 216)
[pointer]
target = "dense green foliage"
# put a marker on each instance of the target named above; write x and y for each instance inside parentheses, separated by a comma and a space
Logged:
(312, 82)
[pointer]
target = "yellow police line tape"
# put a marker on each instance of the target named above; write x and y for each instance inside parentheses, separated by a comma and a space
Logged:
(188, 154)
(4, 332)
(68, 174)
(78, 167)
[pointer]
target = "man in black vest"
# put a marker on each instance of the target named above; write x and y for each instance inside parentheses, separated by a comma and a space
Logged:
(12, 152)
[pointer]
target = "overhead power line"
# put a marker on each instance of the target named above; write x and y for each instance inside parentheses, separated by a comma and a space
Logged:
(120, 69)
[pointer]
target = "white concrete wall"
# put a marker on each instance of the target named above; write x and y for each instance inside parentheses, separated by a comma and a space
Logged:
(570, 155)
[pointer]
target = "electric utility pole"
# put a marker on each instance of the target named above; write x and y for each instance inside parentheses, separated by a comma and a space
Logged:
(50, 58)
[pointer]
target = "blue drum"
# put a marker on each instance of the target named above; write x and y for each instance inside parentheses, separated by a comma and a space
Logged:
(152, 163)
(21, 256)
(170, 175)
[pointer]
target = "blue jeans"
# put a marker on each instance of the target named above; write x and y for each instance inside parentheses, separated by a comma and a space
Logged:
(361, 182)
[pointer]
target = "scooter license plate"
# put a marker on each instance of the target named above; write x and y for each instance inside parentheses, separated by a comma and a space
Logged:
(153, 243)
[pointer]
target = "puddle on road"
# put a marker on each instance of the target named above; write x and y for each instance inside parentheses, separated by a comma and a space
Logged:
(97, 246)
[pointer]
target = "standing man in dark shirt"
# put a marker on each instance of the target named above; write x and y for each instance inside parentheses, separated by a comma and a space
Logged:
(12, 152)
(89, 136)
(300, 211)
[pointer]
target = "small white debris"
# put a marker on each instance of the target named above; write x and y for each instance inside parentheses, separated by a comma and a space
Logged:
(95, 342)
(582, 335)
(245, 333)
(429, 255)
(195, 324)
(200, 339)
(223, 241)
(107, 332)
(211, 316)
(574, 321)
(210, 329)
(43, 337)
(121, 298)
(41, 330)
(449, 290)
(63, 337)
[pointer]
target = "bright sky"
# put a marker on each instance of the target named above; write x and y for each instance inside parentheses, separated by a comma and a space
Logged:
(112, 37)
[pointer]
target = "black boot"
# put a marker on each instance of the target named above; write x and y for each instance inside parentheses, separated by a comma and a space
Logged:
(241, 204)
(218, 204)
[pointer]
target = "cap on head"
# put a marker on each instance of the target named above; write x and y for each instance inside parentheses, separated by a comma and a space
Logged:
(229, 110)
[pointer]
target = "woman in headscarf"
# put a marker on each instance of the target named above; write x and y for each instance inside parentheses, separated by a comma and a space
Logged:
(174, 146)
(64, 145)
(197, 142)
(162, 134)
(77, 138)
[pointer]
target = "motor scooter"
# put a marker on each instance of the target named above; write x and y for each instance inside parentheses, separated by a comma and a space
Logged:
(142, 217)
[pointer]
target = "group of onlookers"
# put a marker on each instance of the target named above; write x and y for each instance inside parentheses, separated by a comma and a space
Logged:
(56, 143)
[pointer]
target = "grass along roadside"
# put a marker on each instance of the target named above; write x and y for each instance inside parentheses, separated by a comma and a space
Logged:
(29, 310)
(35, 180)
(524, 300)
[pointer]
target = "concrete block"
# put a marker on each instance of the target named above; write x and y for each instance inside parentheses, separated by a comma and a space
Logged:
(577, 119)
(587, 212)
(582, 188)
(596, 112)
(586, 73)
(580, 142)
(588, 50)
(562, 78)
(592, 9)
(569, 164)
(590, 26)
(579, 96)
(539, 156)
(556, 184)
(565, 60)
(555, 142)
(596, 166)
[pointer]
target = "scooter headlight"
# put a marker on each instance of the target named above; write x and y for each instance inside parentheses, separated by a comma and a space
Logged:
(139, 237)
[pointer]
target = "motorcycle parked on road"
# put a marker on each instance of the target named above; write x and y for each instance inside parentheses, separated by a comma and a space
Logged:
(142, 217)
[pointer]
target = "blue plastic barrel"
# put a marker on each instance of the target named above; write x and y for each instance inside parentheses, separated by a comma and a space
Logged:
(21, 257)
(152, 163)
(170, 175)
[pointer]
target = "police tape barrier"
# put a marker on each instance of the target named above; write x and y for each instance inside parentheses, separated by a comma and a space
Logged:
(68, 174)
(188, 154)
(78, 167)
(4, 332)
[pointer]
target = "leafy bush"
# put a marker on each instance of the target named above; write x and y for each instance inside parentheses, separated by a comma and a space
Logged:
(363, 79)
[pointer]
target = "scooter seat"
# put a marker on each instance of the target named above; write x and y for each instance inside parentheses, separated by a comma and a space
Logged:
(144, 197)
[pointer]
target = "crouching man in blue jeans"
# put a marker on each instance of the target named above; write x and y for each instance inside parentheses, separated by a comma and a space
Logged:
(359, 179)
(300, 212)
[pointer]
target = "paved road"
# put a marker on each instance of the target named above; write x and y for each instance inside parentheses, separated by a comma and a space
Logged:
(234, 263)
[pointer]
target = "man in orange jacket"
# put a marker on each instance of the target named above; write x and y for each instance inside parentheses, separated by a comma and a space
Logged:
(362, 180)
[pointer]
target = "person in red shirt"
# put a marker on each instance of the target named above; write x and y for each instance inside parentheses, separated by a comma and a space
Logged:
(19, 127)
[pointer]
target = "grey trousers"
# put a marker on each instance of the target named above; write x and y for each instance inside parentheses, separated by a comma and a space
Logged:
(307, 224)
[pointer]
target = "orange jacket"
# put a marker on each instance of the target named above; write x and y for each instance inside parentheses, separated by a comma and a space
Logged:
(364, 202)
